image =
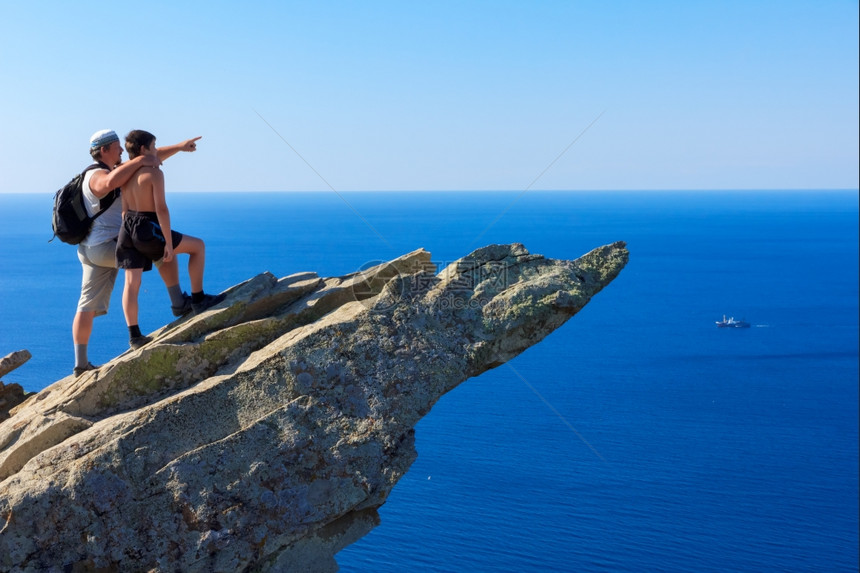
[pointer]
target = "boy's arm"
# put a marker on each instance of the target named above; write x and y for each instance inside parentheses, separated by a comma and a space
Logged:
(171, 150)
(162, 213)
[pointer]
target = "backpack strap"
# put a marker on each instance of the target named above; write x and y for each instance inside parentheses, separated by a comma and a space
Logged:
(106, 201)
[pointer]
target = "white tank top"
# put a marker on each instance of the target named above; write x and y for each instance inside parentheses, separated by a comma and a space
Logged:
(106, 227)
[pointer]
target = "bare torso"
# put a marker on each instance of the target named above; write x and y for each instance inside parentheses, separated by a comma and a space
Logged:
(138, 192)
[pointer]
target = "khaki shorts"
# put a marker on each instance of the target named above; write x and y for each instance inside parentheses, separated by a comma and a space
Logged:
(99, 265)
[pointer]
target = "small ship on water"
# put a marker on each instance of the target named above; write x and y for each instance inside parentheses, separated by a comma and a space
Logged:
(732, 323)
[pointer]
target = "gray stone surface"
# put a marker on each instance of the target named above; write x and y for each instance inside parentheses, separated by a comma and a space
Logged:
(11, 395)
(12, 361)
(263, 434)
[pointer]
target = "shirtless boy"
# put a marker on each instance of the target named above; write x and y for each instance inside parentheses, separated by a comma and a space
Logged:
(146, 237)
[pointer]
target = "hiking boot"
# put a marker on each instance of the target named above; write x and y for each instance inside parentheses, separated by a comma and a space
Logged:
(184, 308)
(81, 369)
(138, 341)
(209, 300)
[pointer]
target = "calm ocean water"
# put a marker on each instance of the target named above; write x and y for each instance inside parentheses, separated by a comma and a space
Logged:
(638, 437)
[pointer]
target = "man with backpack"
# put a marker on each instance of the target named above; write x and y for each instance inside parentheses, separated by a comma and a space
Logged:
(97, 252)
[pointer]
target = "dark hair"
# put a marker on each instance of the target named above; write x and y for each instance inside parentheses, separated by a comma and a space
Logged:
(97, 152)
(137, 139)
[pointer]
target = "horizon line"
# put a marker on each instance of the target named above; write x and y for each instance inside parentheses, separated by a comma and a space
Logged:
(613, 190)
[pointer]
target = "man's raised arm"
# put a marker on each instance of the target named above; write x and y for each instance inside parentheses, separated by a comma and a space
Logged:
(103, 182)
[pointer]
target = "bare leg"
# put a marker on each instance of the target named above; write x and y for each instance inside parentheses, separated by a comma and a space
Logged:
(196, 249)
(129, 295)
(169, 272)
(82, 326)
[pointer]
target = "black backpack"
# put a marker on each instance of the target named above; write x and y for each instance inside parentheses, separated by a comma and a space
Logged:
(70, 221)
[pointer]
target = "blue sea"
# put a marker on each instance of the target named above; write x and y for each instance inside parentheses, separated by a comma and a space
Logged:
(637, 437)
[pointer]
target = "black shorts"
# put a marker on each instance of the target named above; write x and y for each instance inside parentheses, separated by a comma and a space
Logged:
(141, 241)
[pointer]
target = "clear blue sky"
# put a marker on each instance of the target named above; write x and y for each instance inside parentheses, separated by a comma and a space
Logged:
(439, 95)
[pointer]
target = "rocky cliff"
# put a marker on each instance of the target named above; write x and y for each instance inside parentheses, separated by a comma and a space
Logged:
(11, 394)
(263, 434)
